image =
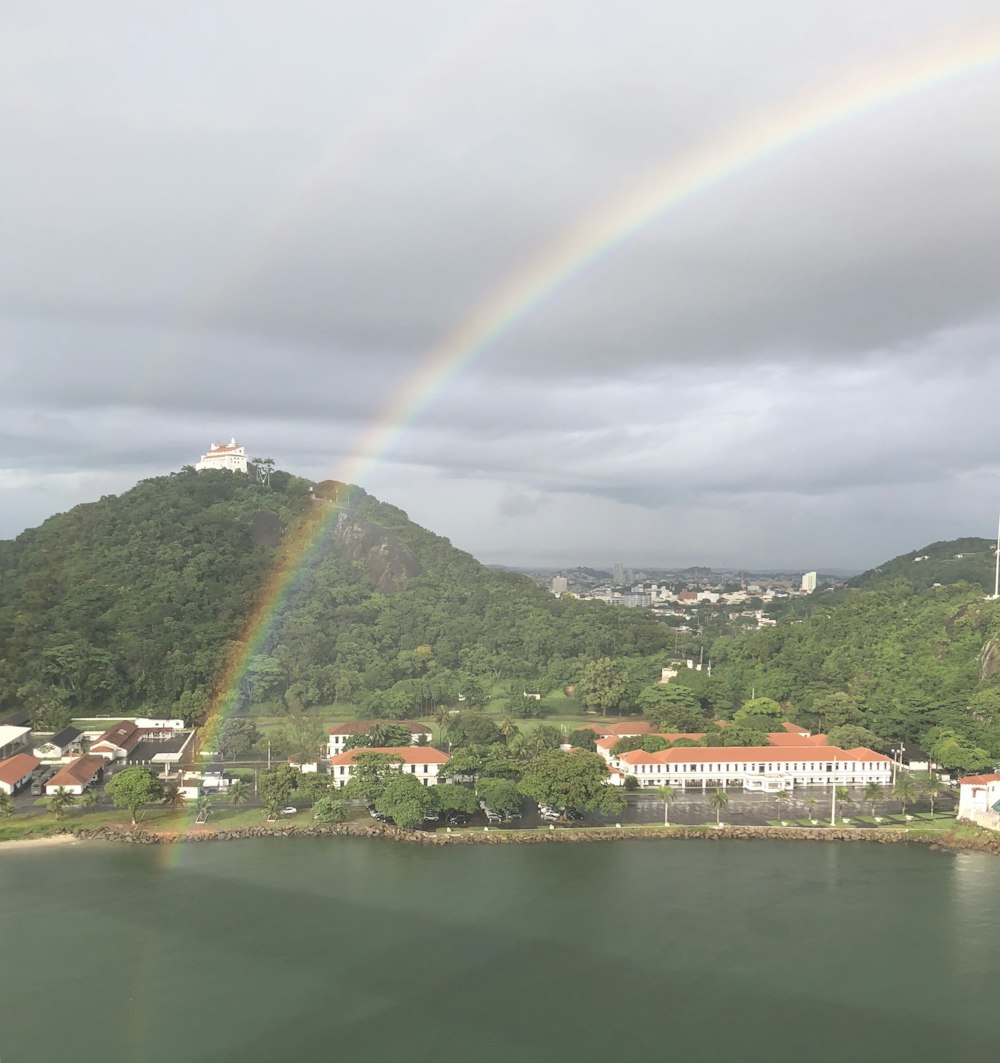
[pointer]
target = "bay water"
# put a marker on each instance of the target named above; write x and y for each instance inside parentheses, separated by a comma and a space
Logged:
(287, 949)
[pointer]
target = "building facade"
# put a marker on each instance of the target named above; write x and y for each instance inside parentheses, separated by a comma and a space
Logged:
(16, 772)
(761, 769)
(230, 456)
(979, 800)
(420, 734)
(424, 762)
(76, 776)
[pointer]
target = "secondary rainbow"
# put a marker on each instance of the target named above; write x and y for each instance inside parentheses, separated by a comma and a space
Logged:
(664, 190)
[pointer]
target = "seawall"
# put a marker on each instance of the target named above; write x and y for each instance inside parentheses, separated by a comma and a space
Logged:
(987, 843)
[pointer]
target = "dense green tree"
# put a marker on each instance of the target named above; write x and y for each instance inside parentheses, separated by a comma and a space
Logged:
(405, 800)
(582, 738)
(473, 728)
(606, 685)
(275, 787)
(850, 736)
(237, 737)
(672, 708)
(448, 797)
(905, 791)
(577, 779)
(766, 707)
(132, 788)
(502, 795)
(380, 736)
(372, 774)
(955, 752)
(328, 808)
(6, 805)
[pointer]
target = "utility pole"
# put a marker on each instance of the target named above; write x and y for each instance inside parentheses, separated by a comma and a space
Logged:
(269, 754)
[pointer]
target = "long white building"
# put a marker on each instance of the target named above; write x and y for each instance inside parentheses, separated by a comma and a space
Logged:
(765, 769)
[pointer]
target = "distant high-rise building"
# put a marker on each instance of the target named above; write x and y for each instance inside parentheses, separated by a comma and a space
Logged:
(808, 582)
(560, 584)
(620, 574)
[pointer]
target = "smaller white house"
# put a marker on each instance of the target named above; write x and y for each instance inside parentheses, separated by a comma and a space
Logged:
(76, 776)
(117, 742)
(420, 733)
(63, 743)
(979, 800)
(16, 771)
(422, 761)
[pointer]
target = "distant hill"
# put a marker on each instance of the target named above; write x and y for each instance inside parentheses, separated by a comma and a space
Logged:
(969, 560)
(135, 602)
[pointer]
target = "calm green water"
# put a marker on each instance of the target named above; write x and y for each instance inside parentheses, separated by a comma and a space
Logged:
(311, 949)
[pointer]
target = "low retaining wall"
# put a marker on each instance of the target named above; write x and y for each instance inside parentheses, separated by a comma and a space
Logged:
(881, 836)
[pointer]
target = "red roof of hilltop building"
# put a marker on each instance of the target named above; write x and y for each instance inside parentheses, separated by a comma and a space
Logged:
(77, 772)
(18, 767)
(407, 754)
(362, 727)
(972, 780)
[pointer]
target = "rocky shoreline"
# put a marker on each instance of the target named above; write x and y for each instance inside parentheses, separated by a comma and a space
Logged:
(882, 836)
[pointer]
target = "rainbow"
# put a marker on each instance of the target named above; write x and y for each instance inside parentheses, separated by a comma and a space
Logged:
(595, 236)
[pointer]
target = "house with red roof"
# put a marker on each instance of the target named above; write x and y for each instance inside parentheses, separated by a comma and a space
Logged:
(979, 799)
(118, 741)
(422, 761)
(420, 733)
(76, 776)
(16, 772)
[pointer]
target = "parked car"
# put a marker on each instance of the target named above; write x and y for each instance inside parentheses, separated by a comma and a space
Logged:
(574, 814)
(458, 819)
(289, 811)
(550, 815)
(493, 817)
(432, 817)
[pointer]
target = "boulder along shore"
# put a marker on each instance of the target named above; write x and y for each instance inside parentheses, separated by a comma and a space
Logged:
(881, 836)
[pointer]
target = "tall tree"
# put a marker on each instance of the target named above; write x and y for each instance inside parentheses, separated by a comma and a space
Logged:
(133, 788)
(666, 794)
(719, 800)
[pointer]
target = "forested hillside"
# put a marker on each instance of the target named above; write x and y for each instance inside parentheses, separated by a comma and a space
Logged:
(133, 602)
(954, 561)
(918, 666)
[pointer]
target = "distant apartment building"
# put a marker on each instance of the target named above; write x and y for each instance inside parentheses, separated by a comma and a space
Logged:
(230, 456)
(560, 584)
(808, 582)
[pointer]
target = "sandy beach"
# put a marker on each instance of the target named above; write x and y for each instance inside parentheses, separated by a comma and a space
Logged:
(37, 843)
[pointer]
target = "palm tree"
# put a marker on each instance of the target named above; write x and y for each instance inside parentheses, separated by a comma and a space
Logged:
(843, 795)
(507, 727)
(377, 734)
(904, 791)
(174, 797)
(873, 793)
(781, 795)
(442, 717)
(811, 802)
(933, 787)
(6, 805)
(91, 798)
(60, 801)
(719, 800)
(666, 794)
(203, 806)
(238, 793)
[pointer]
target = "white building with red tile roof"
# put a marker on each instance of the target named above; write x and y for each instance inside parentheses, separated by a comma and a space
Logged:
(765, 769)
(76, 776)
(979, 800)
(118, 741)
(422, 761)
(16, 771)
(230, 456)
(340, 732)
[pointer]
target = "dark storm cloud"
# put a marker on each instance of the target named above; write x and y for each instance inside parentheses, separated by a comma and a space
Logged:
(262, 220)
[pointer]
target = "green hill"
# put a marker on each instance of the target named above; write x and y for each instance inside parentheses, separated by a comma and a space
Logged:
(134, 602)
(955, 561)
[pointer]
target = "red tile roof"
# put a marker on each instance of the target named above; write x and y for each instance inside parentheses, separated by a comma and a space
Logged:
(407, 754)
(18, 767)
(362, 727)
(78, 771)
(748, 754)
(981, 779)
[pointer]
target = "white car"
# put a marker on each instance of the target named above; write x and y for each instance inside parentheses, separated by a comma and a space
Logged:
(290, 811)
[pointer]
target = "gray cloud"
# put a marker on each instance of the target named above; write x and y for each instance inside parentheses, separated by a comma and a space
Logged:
(261, 221)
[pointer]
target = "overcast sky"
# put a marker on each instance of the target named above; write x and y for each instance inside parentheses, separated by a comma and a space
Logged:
(261, 219)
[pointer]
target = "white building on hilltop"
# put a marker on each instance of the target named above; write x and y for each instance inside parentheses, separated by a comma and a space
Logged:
(229, 456)
(808, 582)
